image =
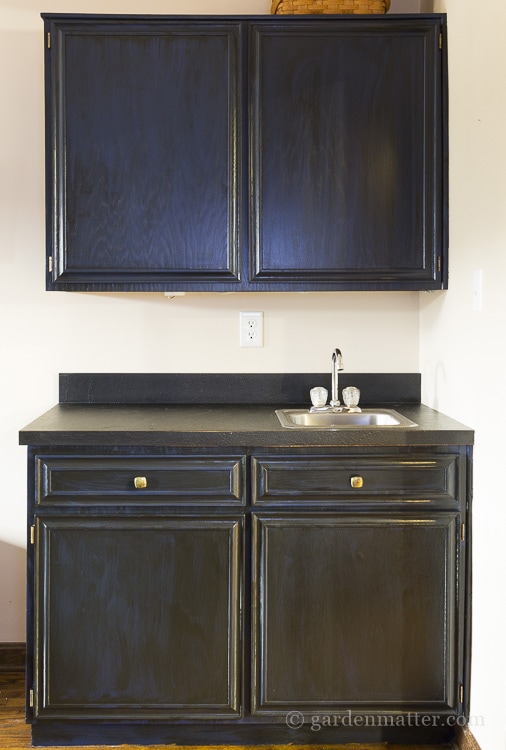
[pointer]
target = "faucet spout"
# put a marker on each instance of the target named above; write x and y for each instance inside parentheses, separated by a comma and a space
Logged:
(337, 366)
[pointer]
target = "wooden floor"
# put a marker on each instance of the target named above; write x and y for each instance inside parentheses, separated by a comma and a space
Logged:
(15, 734)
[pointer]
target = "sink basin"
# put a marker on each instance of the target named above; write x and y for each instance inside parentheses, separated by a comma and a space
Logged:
(303, 419)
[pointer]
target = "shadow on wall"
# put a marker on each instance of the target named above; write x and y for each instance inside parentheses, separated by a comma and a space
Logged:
(12, 593)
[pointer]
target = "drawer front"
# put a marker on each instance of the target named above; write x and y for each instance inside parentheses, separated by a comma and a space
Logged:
(95, 480)
(322, 479)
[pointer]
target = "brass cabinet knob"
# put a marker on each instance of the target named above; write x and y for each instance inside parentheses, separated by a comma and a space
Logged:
(140, 483)
(357, 483)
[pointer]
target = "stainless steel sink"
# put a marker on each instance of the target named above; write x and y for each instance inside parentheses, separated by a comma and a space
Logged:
(303, 419)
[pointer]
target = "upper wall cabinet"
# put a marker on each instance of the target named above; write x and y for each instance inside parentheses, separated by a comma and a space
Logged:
(246, 153)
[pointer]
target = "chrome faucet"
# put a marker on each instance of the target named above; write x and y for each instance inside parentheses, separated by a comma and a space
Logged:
(337, 366)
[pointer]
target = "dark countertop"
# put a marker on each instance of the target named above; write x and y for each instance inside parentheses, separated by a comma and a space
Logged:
(225, 426)
(228, 410)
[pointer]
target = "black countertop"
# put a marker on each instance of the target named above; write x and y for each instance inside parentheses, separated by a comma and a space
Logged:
(227, 411)
(225, 426)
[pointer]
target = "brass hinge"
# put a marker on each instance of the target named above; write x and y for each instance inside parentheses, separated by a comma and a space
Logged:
(462, 532)
(31, 698)
(461, 693)
(50, 264)
(32, 534)
(441, 40)
(49, 40)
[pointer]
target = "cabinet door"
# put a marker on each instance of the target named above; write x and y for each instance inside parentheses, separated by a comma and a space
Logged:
(355, 613)
(347, 151)
(137, 618)
(142, 153)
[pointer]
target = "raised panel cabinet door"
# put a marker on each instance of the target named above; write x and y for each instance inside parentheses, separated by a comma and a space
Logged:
(137, 618)
(356, 614)
(347, 154)
(143, 144)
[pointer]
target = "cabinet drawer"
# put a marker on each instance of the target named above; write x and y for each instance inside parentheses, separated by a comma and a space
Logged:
(428, 479)
(130, 480)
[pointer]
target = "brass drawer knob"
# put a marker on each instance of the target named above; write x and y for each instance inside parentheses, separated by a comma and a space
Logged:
(357, 483)
(140, 483)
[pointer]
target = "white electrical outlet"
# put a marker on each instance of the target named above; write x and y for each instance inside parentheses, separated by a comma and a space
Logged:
(251, 329)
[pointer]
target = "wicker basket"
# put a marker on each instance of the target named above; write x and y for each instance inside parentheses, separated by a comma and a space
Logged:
(291, 7)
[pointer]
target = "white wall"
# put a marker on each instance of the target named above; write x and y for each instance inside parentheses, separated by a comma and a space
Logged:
(463, 360)
(43, 333)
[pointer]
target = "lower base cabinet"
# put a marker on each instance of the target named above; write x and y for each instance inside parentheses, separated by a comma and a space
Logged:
(247, 598)
(354, 611)
(138, 617)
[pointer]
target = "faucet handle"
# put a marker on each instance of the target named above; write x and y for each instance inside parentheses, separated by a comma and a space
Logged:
(318, 396)
(351, 397)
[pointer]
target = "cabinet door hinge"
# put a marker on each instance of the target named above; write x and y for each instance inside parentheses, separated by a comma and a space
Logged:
(32, 534)
(49, 40)
(441, 40)
(461, 693)
(31, 698)
(462, 532)
(50, 264)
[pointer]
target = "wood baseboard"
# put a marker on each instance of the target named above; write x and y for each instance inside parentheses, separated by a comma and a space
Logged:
(12, 657)
(465, 740)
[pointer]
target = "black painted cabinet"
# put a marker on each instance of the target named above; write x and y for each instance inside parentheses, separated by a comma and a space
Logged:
(175, 594)
(138, 617)
(359, 563)
(138, 586)
(144, 146)
(356, 611)
(246, 154)
(347, 125)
